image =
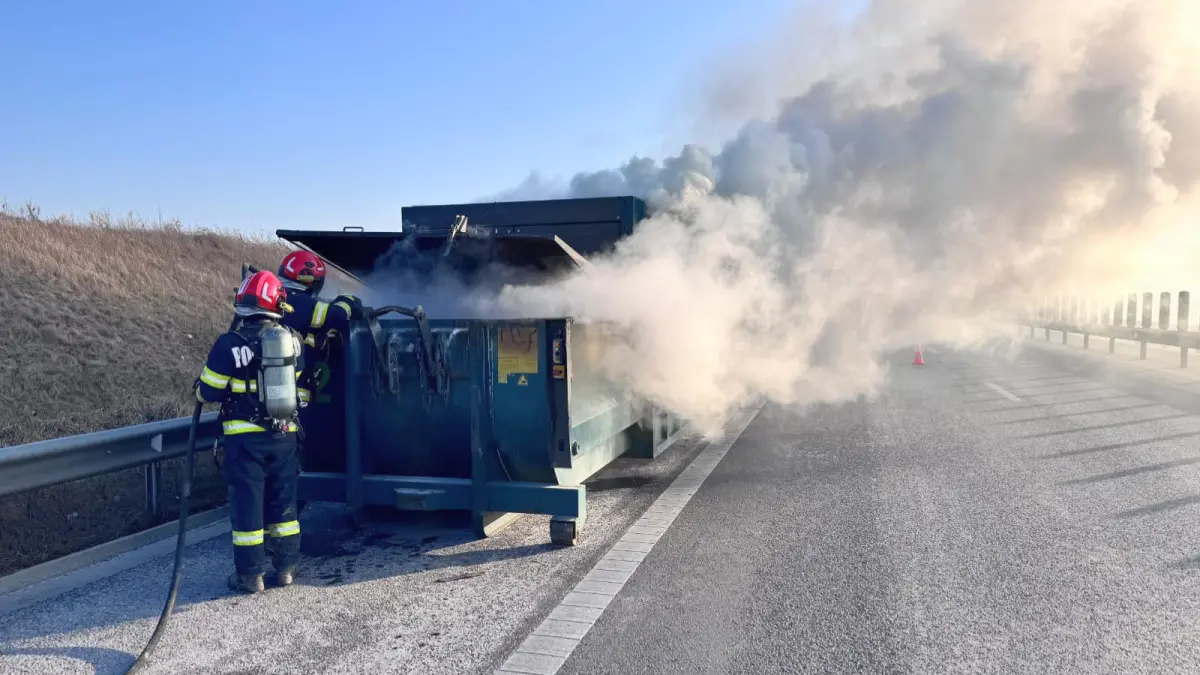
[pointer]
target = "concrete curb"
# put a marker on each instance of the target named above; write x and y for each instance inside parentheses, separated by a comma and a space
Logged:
(49, 579)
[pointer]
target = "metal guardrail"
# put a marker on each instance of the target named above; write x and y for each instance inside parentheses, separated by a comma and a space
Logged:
(62, 460)
(1090, 317)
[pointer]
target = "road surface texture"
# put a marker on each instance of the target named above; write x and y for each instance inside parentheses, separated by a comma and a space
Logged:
(988, 512)
(943, 528)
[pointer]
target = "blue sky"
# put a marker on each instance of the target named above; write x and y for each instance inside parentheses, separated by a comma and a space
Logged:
(266, 114)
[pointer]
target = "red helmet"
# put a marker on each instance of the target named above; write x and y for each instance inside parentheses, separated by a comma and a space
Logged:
(261, 294)
(302, 271)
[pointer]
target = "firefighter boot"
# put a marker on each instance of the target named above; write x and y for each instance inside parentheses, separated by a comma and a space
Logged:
(285, 576)
(246, 584)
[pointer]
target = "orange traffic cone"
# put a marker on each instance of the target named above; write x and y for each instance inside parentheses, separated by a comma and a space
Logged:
(918, 360)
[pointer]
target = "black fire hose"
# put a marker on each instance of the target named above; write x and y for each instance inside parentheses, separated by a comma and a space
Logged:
(185, 496)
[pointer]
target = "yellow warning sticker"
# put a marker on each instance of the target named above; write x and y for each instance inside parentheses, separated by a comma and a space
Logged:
(522, 382)
(516, 352)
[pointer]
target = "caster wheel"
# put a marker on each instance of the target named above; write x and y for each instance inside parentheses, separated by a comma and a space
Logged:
(565, 532)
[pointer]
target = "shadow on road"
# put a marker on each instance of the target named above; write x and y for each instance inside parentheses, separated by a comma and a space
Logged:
(1105, 427)
(618, 483)
(1121, 446)
(1064, 388)
(1160, 507)
(1139, 382)
(1105, 411)
(102, 661)
(1127, 473)
(394, 543)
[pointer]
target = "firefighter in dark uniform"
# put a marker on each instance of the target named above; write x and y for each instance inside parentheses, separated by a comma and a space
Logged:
(248, 373)
(303, 275)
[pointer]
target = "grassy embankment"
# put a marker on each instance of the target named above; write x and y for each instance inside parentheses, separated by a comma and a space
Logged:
(105, 324)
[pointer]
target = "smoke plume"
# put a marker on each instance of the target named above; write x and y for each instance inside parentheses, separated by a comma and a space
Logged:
(942, 164)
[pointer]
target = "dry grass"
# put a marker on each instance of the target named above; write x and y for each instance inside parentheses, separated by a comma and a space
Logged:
(104, 324)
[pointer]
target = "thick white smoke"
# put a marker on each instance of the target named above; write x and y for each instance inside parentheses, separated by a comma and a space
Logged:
(953, 159)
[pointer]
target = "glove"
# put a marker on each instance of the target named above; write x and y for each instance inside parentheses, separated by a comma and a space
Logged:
(356, 306)
(196, 391)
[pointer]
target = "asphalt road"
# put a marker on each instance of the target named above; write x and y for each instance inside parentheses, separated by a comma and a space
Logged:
(943, 528)
(984, 514)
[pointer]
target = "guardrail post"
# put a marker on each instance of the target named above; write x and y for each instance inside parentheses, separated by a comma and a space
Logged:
(1105, 317)
(1147, 314)
(153, 492)
(1074, 315)
(1181, 324)
(1131, 311)
(1086, 307)
(1116, 321)
(1067, 314)
(1047, 314)
(1164, 310)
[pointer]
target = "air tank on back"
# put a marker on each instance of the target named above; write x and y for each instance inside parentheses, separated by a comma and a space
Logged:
(277, 371)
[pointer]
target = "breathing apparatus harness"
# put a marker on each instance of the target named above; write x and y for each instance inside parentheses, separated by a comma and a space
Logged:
(276, 406)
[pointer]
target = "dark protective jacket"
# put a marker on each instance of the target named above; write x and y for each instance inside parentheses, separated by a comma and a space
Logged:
(314, 318)
(230, 377)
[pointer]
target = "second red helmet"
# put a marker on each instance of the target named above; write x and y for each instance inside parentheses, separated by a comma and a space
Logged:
(303, 271)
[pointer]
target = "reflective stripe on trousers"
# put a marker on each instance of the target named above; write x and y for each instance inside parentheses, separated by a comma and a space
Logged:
(253, 538)
(288, 529)
(234, 427)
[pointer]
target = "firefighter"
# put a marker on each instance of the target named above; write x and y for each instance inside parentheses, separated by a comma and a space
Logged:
(303, 275)
(249, 371)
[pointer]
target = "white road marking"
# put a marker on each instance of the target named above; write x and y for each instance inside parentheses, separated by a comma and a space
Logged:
(547, 649)
(1002, 391)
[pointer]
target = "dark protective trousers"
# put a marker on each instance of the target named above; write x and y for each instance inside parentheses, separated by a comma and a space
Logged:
(261, 471)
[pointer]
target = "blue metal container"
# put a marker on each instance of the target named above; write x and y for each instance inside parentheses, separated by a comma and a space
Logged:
(494, 417)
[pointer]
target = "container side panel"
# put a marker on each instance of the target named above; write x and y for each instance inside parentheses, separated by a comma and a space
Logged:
(522, 417)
